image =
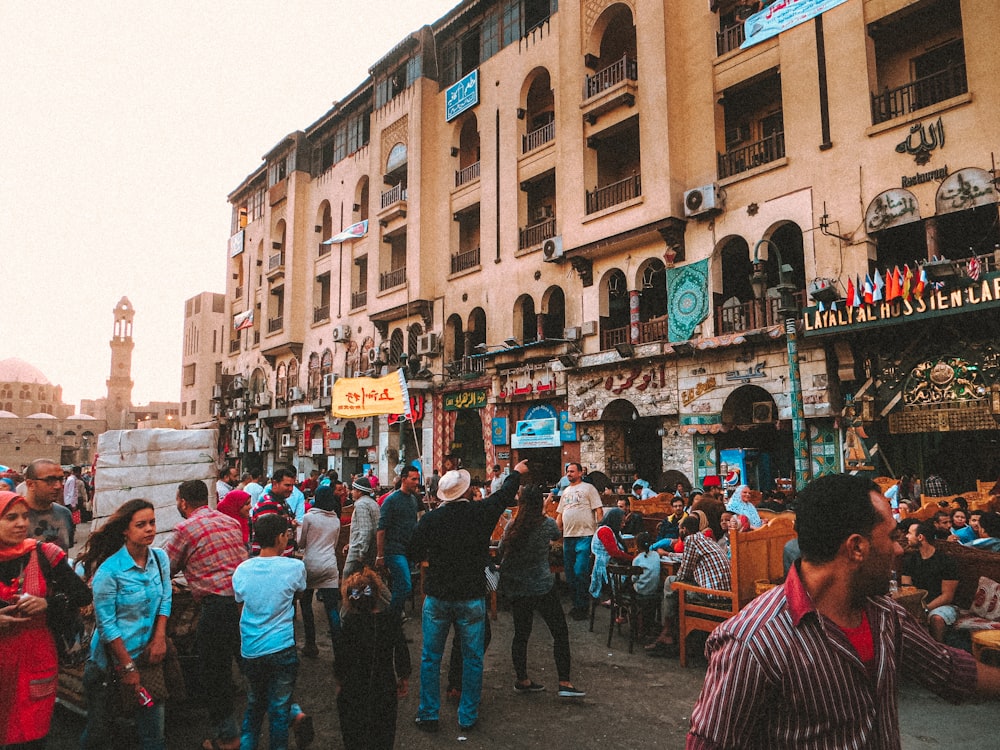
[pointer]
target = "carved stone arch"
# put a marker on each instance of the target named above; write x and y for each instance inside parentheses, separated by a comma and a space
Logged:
(393, 134)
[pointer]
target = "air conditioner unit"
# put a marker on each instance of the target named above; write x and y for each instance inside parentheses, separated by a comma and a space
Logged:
(589, 328)
(295, 393)
(238, 383)
(262, 399)
(428, 344)
(239, 404)
(703, 200)
(288, 440)
(372, 356)
(763, 412)
(341, 334)
(327, 389)
(552, 249)
(573, 334)
(216, 391)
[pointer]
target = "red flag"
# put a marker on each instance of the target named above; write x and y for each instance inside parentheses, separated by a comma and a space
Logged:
(851, 299)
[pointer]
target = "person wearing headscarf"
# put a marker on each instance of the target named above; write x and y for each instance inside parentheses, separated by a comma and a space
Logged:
(607, 545)
(32, 574)
(318, 538)
(236, 504)
(740, 504)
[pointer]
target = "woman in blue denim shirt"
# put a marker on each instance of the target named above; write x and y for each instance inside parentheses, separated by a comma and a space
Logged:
(131, 606)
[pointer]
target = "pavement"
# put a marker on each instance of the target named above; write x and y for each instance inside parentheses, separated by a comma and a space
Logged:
(632, 701)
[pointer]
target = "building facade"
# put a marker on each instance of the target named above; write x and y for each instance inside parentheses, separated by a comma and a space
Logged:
(589, 231)
(205, 341)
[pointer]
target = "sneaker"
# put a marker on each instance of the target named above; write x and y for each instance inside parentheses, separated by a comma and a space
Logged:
(568, 691)
(531, 687)
(467, 728)
(426, 725)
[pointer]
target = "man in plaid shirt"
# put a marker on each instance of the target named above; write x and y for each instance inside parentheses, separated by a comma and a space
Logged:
(207, 546)
(704, 564)
(360, 550)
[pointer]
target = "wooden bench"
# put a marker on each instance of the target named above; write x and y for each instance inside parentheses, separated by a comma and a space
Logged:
(971, 563)
(756, 556)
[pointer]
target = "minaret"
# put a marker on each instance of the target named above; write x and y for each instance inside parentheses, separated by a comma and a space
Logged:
(119, 383)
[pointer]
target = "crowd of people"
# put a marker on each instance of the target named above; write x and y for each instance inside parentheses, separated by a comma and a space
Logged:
(271, 544)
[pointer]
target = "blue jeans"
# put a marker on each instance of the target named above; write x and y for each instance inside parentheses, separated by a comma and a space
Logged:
(576, 566)
(271, 679)
(399, 576)
(96, 735)
(469, 618)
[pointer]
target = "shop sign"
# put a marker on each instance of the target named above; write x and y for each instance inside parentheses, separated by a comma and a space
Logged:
(525, 382)
(967, 188)
(365, 433)
(498, 429)
(638, 378)
(462, 95)
(979, 295)
(503, 455)
(705, 386)
(536, 433)
(567, 429)
(892, 208)
(316, 446)
(236, 243)
(465, 400)
(334, 439)
(416, 410)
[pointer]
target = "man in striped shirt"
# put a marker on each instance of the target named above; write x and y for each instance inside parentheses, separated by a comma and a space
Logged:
(814, 664)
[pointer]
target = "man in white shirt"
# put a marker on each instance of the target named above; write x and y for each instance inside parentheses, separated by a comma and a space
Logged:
(498, 477)
(580, 510)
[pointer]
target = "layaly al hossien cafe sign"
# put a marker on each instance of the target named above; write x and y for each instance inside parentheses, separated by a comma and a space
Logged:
(981, 294)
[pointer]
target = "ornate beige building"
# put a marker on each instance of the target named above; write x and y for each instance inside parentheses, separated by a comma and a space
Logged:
(575, 215)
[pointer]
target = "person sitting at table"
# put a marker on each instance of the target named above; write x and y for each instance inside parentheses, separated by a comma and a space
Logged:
(607, 545)
(742, 503)
(632, 524)
(936, 573)
(989, 533)
(647, 583)
(961, 531)
(668, 531)
(642, 493)
(703, 564)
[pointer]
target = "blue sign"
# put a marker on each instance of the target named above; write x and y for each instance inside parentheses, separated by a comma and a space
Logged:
(499, 430)
(567, 429)
(461, 96)
(541, 411)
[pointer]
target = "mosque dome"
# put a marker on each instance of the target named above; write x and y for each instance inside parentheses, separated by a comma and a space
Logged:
(7, 415)
(40, 415)
(14, 370)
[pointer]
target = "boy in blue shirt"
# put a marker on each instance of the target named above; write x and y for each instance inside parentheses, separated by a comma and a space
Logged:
(266, 586)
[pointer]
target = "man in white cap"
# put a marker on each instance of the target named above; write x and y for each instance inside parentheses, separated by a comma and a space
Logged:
(454, 539)
(360, 549)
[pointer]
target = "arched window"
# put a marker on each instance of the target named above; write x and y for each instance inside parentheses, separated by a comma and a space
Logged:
(396, 346)
(413, 338)
(281, 384)
(554, 311)
(314, 376)
(525, 322)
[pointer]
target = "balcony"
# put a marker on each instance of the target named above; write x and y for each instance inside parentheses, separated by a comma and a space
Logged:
(321, 313)
(394, 195)
(611, 337)
(324, 249)
(276, 264)
(359, 299)
(234, 346)
(466, 366)
(391, 279)
(538, 138)
(616, 73)
(613, 194)
(467, 175)
(729, 39)
(465, 260)
(753, 155)
(920, 93)
(747, 316)
(275, 324)
(536, 234)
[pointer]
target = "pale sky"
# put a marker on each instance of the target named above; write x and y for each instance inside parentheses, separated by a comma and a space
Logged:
(123, 127)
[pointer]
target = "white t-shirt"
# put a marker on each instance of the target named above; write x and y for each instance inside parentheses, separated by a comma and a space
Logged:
(267, 587)
(577, 504)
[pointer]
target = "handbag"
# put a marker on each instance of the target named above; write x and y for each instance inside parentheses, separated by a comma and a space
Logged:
(70, 628)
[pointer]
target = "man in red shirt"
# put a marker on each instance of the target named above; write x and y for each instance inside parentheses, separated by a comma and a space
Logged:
(208, 546)
(815, 663)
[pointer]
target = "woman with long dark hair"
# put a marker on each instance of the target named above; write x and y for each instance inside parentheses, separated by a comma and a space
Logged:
(607, 545)
(32, 574)
(132, 597)
(527, 579)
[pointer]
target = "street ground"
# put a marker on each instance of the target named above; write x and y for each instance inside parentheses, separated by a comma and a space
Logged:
(632, 701)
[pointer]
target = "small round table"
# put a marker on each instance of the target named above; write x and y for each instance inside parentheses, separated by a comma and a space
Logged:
(988, 641)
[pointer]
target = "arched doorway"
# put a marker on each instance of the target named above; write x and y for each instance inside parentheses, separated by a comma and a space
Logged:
(468, 443)
(753, 450)
(630, 445)
(351, 463)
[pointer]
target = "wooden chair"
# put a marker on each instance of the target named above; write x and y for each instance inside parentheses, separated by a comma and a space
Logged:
(755, 556)
(785, 518)
(624, 601)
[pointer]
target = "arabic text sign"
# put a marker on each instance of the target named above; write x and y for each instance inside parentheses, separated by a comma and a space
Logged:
(782, 15)
(465, 400)
(461, 96)
(364, 397)
(891, 208)
(536, 433)
(978, 296)
(236, 243)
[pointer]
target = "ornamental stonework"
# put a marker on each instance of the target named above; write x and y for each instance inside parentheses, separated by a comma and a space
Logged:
(393, 134)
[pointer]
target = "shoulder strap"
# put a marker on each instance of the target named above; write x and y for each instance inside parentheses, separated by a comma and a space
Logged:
(43, 560)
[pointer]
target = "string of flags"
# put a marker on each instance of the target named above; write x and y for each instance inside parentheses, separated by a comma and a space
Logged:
(898, 284)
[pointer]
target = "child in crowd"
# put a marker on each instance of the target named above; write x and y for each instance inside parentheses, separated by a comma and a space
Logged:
(647, 583)
(371, 665)
(266, 585)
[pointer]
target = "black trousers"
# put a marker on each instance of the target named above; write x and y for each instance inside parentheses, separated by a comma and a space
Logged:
(550, 608)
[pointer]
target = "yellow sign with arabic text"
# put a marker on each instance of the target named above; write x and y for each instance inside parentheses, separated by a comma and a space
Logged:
(465, 400)
(366, 397)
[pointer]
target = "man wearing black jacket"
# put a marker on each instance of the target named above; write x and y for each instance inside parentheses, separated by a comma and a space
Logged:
(454, 539)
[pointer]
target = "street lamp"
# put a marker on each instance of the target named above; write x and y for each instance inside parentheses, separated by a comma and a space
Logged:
(788, 309)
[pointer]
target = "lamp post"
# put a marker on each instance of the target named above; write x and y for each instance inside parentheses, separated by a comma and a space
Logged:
(788, 309)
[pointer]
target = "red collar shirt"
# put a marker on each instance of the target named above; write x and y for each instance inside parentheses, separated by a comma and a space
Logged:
(783, 676)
